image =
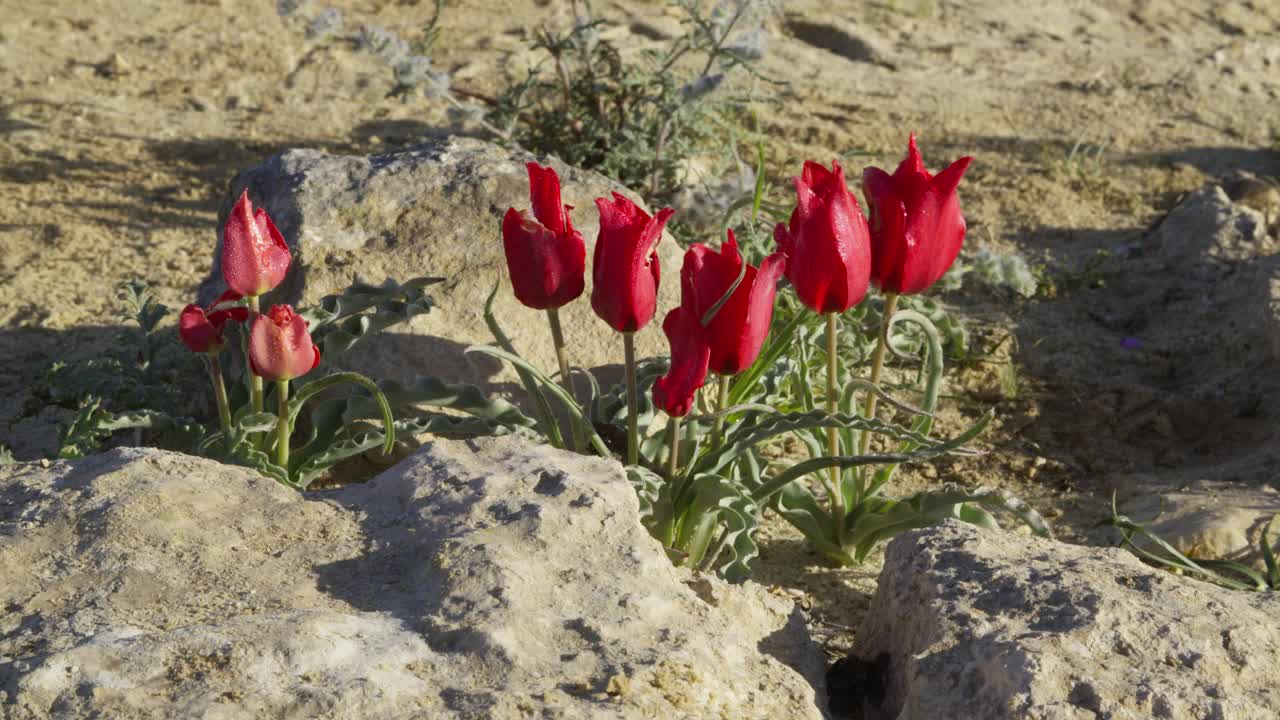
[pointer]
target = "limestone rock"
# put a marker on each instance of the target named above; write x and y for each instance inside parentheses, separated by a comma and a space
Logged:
(435, 209)
(485, 579)
(988, 624)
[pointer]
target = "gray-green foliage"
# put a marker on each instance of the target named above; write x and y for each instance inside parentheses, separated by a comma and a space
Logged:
(993, 268)
(636, 117)
(112, 394)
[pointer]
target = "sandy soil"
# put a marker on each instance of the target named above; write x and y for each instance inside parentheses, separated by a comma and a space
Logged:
(121, 122)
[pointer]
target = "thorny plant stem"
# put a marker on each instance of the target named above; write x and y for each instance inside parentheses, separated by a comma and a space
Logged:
(673, 455)
(717, 432)
(633, 399)
(833, 435)
(877, 363)
(220, 394)
(566, 377)
(282, 424)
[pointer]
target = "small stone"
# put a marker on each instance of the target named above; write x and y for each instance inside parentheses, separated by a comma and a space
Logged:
(113, 67)
(618, 685)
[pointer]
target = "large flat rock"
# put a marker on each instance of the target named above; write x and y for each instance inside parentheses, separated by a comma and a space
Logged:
(989, 624)
(485, 579)
(435, 209)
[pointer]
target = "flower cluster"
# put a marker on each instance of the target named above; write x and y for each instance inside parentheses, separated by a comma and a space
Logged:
(255, 259)
(828, 251)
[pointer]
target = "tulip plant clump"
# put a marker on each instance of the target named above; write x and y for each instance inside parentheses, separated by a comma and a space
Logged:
(763, 355)
(277, 369)
(703, 477)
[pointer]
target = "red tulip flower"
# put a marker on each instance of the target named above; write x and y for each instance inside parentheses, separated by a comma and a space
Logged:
(545, 255)
(916, 225)
(827, 243)
(690, 352)
(625, 267)
(739, 327)
(201, 329)
(280, 346)
(255, 256)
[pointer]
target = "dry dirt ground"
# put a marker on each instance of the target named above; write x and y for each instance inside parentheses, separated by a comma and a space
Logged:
(121, 122)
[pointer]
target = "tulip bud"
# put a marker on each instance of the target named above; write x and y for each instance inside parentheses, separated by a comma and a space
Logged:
(546, 256)
(916, 225)
(625, 269)
(201, 330)
(738, 329)
(280, 347)
(827, 242)
(255, 256)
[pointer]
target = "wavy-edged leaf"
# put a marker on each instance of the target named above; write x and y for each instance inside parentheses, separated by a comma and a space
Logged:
(1214, 571)
(734, 526)
(551, 386)
(541, 406)
(428, 390)
(319, 463)
(923, 509)
(375, 394)
(933, 368)
(716, 508)
(245, 454)
(92, 425)
(800, 508)
(748, 435)
(361, 296)
(340, 336)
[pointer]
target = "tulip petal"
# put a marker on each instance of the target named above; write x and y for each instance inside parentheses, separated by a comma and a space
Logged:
(782, 238)
(918, 228)
(196, 331)
(816, 175)
(940, 208)
(674, 391)
(827, 242)
(805, 200)
(255, 256)
(759, 314)
(544, 192)
(280, 347)
(888, 222)
(625, 269)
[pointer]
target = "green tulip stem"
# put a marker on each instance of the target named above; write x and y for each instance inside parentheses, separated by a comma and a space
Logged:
(833, 435)
(673, 456)
(255, 381)
(717, 432)
(633, 399)
(282, 424)
(219, 392)
(877, 363)
(566, 376)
